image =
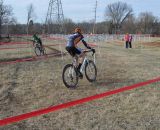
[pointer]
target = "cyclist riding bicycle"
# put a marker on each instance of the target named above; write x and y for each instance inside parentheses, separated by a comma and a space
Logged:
(37, 39)
(73, 49)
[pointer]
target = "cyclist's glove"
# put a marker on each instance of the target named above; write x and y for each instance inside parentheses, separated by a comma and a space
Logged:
(93, 50)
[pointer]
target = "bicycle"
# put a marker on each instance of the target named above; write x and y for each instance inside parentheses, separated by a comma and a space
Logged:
(70, 74)
(38, 48)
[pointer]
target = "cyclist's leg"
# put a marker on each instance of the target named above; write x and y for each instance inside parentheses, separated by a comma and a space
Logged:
(74, 52)
(40, 43)
(71, 51)
(79, 52)
(81, 57)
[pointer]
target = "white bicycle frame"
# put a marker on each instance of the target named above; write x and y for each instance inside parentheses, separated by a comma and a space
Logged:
(86, 61)
(75, 63)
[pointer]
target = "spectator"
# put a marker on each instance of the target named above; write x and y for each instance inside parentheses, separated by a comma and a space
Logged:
(130, 41)
(126, 38)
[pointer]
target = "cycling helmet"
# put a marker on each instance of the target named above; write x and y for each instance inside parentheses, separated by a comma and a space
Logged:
(77, 30)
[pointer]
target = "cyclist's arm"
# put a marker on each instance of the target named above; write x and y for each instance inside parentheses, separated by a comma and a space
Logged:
(85, 44)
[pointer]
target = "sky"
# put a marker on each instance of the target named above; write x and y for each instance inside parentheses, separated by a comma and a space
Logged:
(78, 10)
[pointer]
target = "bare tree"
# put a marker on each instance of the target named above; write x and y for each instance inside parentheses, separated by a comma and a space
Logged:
(5, 15)
(69, 25)
(129, 25)
(117, 13)
(146, 21)
(102, 27)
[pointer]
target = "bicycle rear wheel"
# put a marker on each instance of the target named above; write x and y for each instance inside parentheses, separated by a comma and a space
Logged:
(37, 50)
(44, 51)
(91, 71)
(70, 76)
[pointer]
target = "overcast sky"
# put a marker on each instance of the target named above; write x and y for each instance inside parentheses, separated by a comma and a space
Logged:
(78, 10)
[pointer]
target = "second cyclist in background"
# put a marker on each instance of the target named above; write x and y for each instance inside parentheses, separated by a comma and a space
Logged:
(37, 39)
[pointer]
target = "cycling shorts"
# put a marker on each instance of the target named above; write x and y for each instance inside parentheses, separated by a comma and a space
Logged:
(73, 51)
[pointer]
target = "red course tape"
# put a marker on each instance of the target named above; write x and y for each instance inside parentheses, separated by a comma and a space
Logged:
(36, 58)
(15, 48)
(13, 43)
(18, 118)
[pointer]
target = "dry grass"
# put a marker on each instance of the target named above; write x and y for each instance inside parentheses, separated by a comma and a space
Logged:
(19, 51)
(29, 86)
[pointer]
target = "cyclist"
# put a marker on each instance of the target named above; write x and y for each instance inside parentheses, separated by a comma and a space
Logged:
(73, 49)
(37, 39)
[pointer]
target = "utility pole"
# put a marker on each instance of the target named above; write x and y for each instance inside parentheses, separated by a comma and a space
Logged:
(55, 17)
(1, 8)
(95, 17)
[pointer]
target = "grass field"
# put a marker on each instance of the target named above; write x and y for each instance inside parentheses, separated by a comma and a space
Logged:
(29, 86)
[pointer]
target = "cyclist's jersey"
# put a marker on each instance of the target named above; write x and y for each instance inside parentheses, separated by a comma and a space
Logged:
(37, 39)
(74, 39)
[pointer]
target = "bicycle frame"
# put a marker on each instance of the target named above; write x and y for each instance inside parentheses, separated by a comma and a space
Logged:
(85, 61)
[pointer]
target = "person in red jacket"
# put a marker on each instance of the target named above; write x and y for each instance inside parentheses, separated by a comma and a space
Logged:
(126, 38)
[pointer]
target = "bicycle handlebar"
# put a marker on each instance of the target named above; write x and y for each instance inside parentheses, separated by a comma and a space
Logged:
(90, 50)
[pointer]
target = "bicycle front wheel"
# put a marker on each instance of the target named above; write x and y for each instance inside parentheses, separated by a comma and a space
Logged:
(70, 76)
(37, 50)
(44, 51)
(91, 71)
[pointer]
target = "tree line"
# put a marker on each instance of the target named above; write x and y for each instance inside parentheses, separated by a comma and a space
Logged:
(119, 19)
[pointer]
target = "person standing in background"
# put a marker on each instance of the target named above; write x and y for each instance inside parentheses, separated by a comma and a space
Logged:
(130, 41)
(126, 38)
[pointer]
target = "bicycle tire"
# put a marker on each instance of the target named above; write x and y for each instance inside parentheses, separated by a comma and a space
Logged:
(37, 51)
(90, 62)
(74, 76)
(44, 51)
